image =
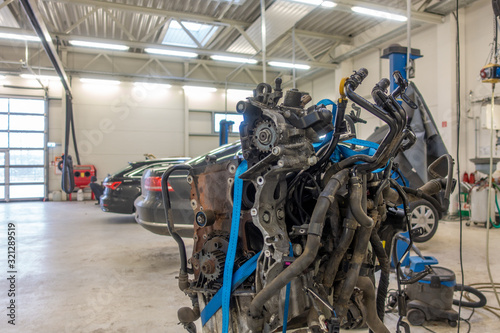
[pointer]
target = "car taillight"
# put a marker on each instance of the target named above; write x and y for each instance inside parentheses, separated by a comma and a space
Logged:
(154, 184)
(112, 185)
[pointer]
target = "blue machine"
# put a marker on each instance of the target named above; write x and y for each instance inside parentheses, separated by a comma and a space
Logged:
(225, 126)
(397, 61)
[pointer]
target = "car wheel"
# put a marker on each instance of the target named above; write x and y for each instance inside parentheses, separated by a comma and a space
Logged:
(424, 214)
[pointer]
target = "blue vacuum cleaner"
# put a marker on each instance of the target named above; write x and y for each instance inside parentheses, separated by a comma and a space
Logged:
(430, 288)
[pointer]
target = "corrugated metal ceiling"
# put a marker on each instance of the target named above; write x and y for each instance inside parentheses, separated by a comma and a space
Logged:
(147, 21)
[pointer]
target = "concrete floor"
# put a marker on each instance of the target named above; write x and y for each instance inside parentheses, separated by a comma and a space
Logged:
(82, 270)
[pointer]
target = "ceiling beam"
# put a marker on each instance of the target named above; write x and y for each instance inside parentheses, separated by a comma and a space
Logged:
(376, 42)
(416, 16)
(141, 45)
(154, 11)
(337, 38)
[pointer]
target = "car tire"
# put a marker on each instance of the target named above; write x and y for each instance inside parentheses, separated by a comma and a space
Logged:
(424, 214)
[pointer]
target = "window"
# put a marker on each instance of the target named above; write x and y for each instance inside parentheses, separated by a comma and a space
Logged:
(177, 36)
(237, 118)
(22, 148)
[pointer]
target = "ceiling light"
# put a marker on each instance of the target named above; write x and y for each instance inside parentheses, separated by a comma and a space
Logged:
(2, 77)
(378, 13)
(197, 89)
(40, 77)
(234, 59)
(310, 2)
(171, 53)
(116, 47)
(288, 65)
(28, 38)
(328, 4)
(100, 82)
(150, 85)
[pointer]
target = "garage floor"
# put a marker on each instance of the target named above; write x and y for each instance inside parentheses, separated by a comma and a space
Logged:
(82, 270)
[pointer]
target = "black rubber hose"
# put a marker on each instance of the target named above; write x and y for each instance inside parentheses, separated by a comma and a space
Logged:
(68, 178)
(355, 202)
(358, 257)
(385, 271)
(311, 248)
(339, 118)
(422, 195)
(167, 206)
(479, 304)
(337, 255)
(372, 320)
(73, 134)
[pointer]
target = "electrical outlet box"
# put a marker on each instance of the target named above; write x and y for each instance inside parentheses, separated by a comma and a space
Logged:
(490, 73)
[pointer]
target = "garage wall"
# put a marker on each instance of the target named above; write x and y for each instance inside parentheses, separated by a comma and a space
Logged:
(120, 123)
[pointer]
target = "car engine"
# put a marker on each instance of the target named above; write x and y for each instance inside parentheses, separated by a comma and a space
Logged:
(290, 235)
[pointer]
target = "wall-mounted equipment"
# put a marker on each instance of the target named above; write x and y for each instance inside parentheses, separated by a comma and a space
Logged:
(490, 73)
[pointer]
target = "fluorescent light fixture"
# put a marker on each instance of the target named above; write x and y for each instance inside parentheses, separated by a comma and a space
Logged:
(100, 82)
(197, 89)
(52, 144)
(233, 59)
(40, 77)
(28, 38)
(288, 65)
(378, 13)
(310, 2)
(115, 47)
(328, 4)
(150, 85)
(171, 53)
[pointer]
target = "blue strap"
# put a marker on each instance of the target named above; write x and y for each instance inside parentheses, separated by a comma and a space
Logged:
(239, 277)
(287, 298)
(233, 242)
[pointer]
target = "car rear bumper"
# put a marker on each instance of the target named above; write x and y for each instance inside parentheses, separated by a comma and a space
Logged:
(151, 216)
(117, 205)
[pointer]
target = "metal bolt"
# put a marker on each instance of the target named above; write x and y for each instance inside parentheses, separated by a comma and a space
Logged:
(204, 236)
(276, 151)
(189, 179)
(253, 212)
(232, 168)
(312, 160)
(260, 180)
(280, 214)
(267, 253)
(266, 217)
(281, 163)
(194, 204)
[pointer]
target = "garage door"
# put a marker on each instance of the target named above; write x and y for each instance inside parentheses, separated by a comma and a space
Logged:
(22, 153)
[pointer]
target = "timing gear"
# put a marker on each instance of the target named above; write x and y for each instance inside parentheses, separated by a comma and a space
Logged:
(265, 136)
(212, 265)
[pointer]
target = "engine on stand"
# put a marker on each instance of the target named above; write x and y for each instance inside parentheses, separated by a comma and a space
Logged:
(290, 234)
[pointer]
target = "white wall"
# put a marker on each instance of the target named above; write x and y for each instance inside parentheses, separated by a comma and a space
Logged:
(120, 123)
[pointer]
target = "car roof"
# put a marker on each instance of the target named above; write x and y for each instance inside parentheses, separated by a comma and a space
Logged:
(227, 151)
